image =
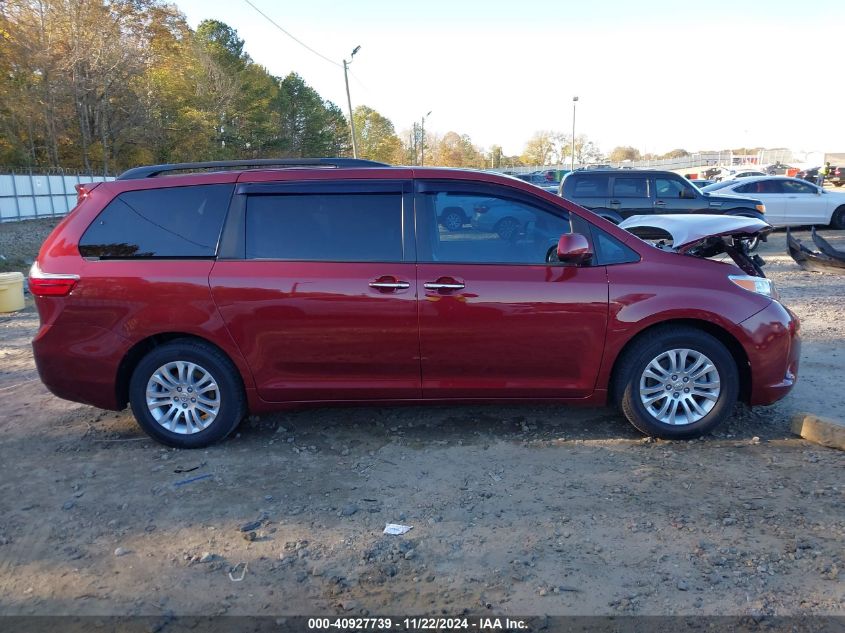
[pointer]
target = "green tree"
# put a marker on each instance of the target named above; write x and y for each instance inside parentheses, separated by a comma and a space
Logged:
(376, 136)
(309, 126)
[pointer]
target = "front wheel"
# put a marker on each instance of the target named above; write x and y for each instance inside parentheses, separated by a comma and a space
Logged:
(186, 394)
(677, 383)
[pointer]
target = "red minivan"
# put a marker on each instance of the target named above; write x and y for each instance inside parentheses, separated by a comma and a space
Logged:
(200, 292)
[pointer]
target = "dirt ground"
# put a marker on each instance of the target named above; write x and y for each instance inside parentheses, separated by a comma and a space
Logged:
(517, 510)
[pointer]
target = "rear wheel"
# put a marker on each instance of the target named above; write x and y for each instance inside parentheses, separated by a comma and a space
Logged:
(186, 394)
(837, 220)
(676, 383)
(453, 219)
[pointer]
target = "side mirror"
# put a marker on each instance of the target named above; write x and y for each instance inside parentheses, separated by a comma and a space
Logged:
(573, 248)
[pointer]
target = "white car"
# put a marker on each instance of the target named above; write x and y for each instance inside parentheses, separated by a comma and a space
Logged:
(789, 201)
(732, 173)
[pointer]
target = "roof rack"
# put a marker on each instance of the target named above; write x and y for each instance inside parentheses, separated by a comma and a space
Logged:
(151, 171)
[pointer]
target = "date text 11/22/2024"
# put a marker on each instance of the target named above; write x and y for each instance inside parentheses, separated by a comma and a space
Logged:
(416, 624)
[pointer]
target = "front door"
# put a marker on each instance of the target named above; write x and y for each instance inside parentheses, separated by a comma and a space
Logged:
(319, 290)
(497, 319)
(673, 195)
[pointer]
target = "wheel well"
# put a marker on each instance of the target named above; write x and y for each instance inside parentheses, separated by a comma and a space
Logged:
(723, 336)
(141, 349)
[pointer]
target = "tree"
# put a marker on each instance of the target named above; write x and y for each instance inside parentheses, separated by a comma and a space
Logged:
(586, 151)
(623, 153)
(309, 125)
(540, 148)
(377, 139)
(676, 153)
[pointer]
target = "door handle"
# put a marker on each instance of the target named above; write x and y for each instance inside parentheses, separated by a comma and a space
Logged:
(450, 284)
(660, 203)
(389, 283)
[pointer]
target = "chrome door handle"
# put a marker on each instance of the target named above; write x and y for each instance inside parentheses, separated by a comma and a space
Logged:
(433, 285)
(660, 203)
(390, 285)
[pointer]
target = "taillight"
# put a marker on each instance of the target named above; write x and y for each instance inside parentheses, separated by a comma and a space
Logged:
(43, 284)
(81, 193)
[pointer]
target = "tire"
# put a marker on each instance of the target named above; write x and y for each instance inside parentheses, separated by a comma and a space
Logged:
(507, 229)
(452, 220)
(630, 378)
(837, 220)
(189, 424)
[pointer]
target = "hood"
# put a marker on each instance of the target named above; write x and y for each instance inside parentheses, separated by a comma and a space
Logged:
(703, 236)
(690, 230)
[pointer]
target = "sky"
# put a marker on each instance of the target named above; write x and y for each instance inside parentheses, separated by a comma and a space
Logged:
(652, 74)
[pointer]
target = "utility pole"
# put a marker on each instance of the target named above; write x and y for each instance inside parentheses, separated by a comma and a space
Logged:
(422, 139)
(349, 101)
(572, 158)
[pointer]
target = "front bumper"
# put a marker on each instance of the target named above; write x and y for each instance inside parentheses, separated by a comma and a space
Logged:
(773, 347)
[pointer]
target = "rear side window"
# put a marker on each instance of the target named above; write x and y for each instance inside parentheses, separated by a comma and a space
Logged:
(169, 222)
(348, 227)
(630, 187)
(589, 187)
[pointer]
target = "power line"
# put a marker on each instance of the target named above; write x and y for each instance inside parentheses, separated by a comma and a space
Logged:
(300, 42)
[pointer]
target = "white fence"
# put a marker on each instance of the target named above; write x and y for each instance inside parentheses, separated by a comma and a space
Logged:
(31, 196)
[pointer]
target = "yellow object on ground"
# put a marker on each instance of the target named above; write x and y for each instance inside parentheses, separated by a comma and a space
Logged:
(11, 292)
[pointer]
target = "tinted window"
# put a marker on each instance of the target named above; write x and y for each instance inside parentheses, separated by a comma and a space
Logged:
(589, 187)
(609, 250)
(349, 227)
(717, 185)
(500, 230)
(760, 186)
(169, 222)
(672, 188)
(794, 186)
(630, 187)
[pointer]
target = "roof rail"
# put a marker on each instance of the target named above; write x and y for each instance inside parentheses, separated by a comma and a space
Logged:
(152, 171)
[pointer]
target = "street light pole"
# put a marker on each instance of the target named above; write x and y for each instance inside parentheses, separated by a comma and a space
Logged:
(349, 101)
(572, 158)
(422, 139)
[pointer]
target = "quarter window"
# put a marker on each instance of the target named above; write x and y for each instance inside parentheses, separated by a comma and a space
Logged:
(590, 187)
(364, 227)
(497, 229)
(168, 222)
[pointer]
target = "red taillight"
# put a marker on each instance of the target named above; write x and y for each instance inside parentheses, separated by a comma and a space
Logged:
(81, 193)
(837, 171)
(43, 284)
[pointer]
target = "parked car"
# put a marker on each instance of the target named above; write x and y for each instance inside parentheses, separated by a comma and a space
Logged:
(732, 173)
(812, 174)
(259, 285)
(790, 201)
(777, 169)
(616, 195)
(837, 176)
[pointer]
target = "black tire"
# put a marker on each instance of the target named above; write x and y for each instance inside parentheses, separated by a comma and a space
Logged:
(232, 406)
(837, 220)
(635, 359)
(453, 219)
(507, 229)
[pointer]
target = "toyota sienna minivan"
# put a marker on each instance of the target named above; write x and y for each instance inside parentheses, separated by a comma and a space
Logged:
(199, 293)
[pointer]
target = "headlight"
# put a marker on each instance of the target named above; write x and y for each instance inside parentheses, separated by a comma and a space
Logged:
(760, 285)
(760, 207)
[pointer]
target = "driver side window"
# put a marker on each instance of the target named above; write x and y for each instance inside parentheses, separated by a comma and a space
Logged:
(483, 229)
